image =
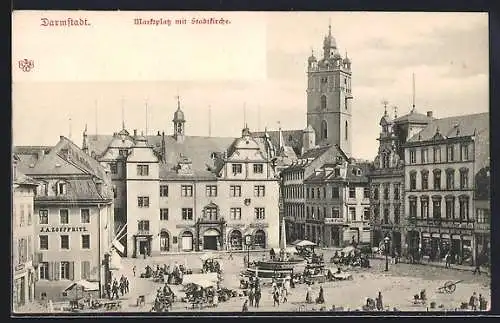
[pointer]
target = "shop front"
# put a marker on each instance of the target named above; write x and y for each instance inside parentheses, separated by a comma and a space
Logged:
(445, 244)
(142, 245)
(435, 247)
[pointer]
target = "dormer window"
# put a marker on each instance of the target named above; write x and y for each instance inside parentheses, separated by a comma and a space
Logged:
(123, 152)
(336, 172)
(61, 188)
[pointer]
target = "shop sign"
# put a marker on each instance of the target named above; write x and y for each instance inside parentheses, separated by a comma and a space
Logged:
(63, 229)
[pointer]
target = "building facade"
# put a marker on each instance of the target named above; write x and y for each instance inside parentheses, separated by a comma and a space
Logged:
(73, 219)
(387, 177)
(23, 238)
(441, 164)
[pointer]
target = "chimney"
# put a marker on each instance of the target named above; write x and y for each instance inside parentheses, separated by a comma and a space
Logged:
(135, 132)
(429, 114)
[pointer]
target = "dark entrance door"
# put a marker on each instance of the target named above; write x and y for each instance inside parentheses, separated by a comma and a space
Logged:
(210, 243)
(143, 245)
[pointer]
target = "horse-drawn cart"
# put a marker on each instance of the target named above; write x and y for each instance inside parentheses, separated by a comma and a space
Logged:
(449, 287)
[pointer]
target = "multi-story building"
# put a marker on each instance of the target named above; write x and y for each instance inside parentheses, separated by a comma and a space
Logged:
(186, 193)
(338, 204)
(441, 165)
(73, 218)
(23, 237)
(387, 177)
(482, 226)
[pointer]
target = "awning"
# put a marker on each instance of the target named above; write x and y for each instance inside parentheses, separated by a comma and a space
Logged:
(425, 235)
(305, 243)
(85, 284)
(211, 233)
(436, 235)
(203, 280)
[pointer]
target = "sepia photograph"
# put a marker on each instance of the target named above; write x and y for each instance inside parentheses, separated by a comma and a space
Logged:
(231, 162)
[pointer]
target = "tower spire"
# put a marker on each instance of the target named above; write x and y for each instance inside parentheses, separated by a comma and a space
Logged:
(413, 91)
(385, 103)
(329, 26)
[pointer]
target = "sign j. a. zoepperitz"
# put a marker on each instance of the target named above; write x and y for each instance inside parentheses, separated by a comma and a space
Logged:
(63, 229)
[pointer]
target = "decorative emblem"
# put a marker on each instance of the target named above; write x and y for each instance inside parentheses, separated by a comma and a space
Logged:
(26, 65)
(247, 202)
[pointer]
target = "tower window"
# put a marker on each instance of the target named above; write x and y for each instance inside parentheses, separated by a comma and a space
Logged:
(324, 129)
(323, 102)
(346, 130)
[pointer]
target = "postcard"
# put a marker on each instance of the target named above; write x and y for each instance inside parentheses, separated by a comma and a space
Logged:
(250, 162)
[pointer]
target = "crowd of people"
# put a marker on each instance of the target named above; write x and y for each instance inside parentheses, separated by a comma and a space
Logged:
(170, 274)
(114, 289)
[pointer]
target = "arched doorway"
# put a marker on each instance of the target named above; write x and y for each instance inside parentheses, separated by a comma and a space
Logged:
(210, 239)
(187, 241)
(236, 240)
(164, 241)
(260, 239)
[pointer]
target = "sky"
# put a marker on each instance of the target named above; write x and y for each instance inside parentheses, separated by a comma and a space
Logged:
(253, 71)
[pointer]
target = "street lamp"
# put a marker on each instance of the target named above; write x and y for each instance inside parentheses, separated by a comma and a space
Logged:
(386, 247)
(248, 243)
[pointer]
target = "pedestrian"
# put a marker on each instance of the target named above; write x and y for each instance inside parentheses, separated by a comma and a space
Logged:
(126, 285)
(482, 306)
(245, 306)
(396, 253)
(380, 304)
(133, 270)
(250, 296)
(473, 302)
(122, 287)
(447, 259)
(257, 296)
(108, 290)
(308, 293)
(276, 297)
(321, 296)
(477, 267)
(284, 294)
(115, 290)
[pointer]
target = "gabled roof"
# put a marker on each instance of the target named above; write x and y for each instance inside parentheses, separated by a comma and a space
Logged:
(77, 189)
(413, 117)
(22, 179)
(292, 138)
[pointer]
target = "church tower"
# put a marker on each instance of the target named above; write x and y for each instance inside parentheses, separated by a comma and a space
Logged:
(179, 122)
(329, 96)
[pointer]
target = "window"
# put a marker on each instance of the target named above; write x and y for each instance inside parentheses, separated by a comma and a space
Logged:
(85, 241)
(235, 190)
(113, 167)
(211, 190)
(396, 192)
(21, 216)
(424, 207)
(43, 269)
(142, 170)
(335, 213)
(65, 242)
(187, 214)
(413, 208)
(386, 216)
(335, 192)
(324, 129)
(464, 152)
(366, 192)
(352, 213)
(324, 192)
(375, 193)
(437, 154)
(235, 213)
(464, 178)
(63, 216)
(346, 128)
(64, 270)
(85, 216)
(437, 179)
(143, 201)
(450, 179)
(143, 226)
(22, 251)
(85, 269)
(259, 190)
(44, 242)
(366, 214)
(307, 192)
(424, 155)
(352, 192)
(425, 180)
(186, 190)
(336, 172)
(386, 193)
(260, 213)
(323, 99)
(211, 213)
(163, 190)
(450, 208)
(163, 214)
(397, 215)
(386, 157)
(237, 169)
(312, 193)
(413, 180)
(30, 215)
(483, 215)
(318, 195)
(61, 188)
(123, 152)
(436, 208)
(449, 153)
(464, 209)
(413, 156)
(258, 168)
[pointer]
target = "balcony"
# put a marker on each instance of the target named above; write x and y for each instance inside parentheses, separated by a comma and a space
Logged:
(445, 223)
(334, 220)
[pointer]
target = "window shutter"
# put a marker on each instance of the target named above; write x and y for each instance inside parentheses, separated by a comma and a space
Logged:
(57, 270)
(71, 270)
(82, 270)
(51, 270)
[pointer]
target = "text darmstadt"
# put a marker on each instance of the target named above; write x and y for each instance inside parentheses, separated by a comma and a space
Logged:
(68, 22)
